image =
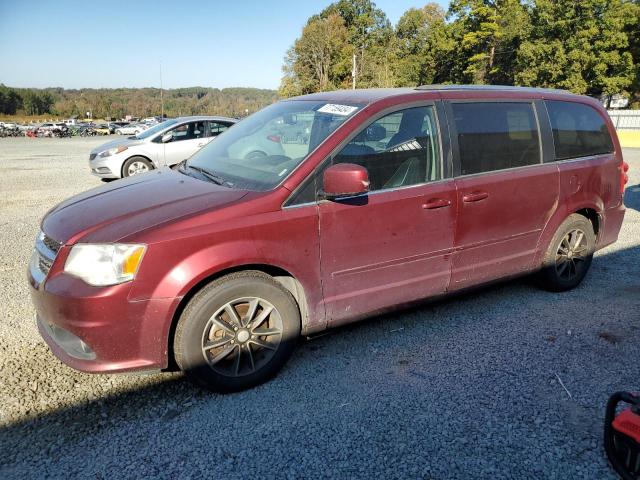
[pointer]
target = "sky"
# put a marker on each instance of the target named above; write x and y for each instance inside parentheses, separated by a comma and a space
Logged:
(116, 43)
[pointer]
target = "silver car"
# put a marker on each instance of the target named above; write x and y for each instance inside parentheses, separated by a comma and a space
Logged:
(165, 144)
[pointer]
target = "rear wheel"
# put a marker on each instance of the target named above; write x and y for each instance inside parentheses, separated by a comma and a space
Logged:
(135, 166)
(237, 332)
(569, 255)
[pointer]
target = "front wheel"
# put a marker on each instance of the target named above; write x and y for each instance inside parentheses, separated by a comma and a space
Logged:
(569, 255)
(135, 166)
(237, 332)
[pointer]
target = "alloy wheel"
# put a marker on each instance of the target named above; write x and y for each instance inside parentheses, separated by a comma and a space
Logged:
(137, 167)
(242, 336)
(571, 254)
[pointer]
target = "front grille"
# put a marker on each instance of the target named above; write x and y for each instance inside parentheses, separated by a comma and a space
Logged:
(44, 264)
(92, 156)
(51, 244)
(43, 257)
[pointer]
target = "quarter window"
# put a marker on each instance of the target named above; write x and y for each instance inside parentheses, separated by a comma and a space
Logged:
(496, 136)
(398, 150)
(578, 130)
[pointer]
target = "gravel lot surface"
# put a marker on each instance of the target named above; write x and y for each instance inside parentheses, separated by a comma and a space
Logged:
(463, 388)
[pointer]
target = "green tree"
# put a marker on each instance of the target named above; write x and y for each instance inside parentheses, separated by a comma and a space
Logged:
(310, 64)
(37, 103)
(579, 46)
(488, 34)
(633, 34)
(370, 37)
(10, 100)
(324, 54)
(421, 45)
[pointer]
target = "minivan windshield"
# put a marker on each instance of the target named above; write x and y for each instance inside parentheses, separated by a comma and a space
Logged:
(263, 149)
(156, 128)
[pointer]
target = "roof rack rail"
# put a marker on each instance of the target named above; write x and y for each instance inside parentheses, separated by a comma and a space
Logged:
(488, 87)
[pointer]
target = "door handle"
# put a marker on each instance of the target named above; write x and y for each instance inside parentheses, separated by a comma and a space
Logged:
(201, 144)
(474, 196)
(436, 203)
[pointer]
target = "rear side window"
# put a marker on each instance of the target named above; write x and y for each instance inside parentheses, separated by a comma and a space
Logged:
(494, 136)
(578, 130)
(216, 128)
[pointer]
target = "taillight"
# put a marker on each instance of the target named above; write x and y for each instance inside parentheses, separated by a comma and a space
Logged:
(624, 177)
(274, 138)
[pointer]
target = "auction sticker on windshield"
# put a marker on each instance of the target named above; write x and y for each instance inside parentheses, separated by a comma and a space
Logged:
(334, 109)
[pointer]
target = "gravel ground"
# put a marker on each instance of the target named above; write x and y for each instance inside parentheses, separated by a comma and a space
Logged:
(462, 388)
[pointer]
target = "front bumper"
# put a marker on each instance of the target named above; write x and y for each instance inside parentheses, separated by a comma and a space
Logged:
(96, 329)
(109, 167)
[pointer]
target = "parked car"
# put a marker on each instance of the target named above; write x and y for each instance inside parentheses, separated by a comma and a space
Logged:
(48, 128)
(113, 126)
(166, 144)
(131, 129)
(221, 264)
(102, 129)
(151, 121)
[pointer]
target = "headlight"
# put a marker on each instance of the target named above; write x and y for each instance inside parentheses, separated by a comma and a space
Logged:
(112, 151)
(102, 265)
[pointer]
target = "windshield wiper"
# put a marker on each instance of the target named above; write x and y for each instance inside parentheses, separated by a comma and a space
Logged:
(217, 179)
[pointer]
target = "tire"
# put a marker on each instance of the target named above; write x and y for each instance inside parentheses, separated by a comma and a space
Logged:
(226, 355)
(135, 166)
(569, 255)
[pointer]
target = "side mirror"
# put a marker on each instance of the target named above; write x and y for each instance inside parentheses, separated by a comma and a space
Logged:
(345, 180)
(167, 137)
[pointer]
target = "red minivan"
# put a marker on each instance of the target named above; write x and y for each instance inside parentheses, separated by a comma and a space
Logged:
(382, 198)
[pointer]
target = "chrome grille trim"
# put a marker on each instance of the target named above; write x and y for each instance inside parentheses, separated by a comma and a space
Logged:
(46, 251)
(51, 244)
(44, 265)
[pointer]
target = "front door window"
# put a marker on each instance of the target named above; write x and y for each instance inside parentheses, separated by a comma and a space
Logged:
(399, 149)
(187, 131)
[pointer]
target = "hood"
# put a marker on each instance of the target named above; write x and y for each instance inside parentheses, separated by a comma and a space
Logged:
(129, 142)
(112, 212)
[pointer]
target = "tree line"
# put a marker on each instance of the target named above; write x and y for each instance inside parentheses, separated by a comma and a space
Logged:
(140, 102)
(588, 46)
(29, 101)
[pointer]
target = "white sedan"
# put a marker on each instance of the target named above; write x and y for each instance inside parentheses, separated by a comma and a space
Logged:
(134, 129)
(165, 144)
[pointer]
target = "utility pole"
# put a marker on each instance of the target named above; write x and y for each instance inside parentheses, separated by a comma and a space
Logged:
(161, 100)
(353, 71)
